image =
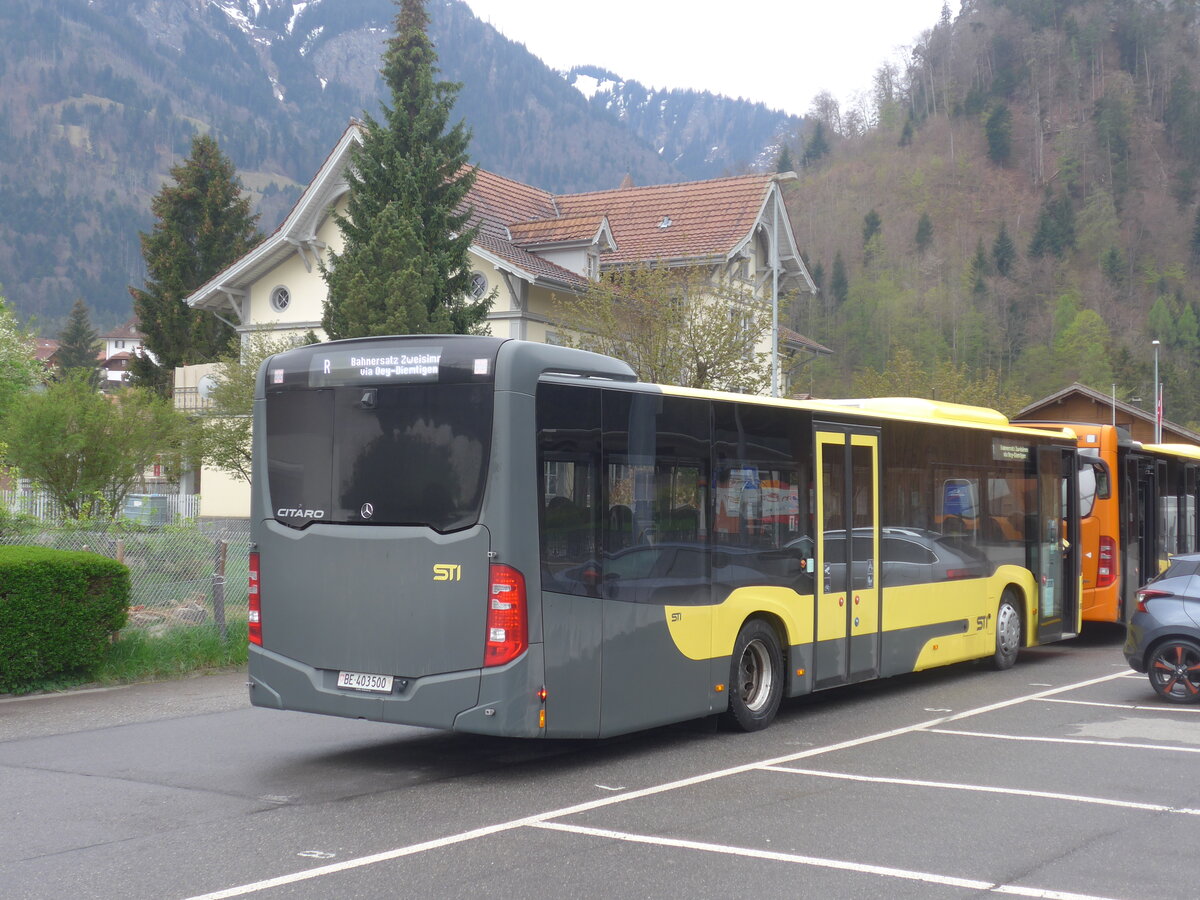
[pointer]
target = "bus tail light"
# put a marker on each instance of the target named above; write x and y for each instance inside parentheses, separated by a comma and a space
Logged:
(507, 617)
(1106, 570)
(254, 623)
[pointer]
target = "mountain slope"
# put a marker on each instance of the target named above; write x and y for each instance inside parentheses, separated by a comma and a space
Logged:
(101, 97)
(1074, 127)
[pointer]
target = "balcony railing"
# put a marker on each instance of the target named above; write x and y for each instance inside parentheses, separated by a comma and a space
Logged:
(189, 399)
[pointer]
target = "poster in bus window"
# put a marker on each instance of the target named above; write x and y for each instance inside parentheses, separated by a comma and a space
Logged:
(751, 502)
(727, 500)
(958, 505)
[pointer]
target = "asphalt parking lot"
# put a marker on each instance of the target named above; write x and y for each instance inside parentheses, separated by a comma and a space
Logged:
(1064, 777)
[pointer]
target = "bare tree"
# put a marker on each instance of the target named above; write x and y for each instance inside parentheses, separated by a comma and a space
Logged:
(679, 326)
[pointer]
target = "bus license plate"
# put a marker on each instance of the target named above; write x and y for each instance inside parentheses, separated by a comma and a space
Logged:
(361, 681)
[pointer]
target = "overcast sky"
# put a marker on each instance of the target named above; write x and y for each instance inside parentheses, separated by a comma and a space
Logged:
(778, 52)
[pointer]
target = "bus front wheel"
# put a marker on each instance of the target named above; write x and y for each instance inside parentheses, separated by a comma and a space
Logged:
(755, 677)
(1008, 632)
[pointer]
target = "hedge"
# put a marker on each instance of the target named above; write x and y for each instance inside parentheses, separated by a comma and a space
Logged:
(58, 612)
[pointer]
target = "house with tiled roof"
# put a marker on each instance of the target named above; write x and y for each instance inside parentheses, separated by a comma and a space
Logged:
(45, 351)
(120, 346)
(531, 245)
(533, 249)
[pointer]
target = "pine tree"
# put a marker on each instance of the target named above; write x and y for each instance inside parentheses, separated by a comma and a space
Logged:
(1004, 252)
(1195, 242)
(405, 268)
(817, 146)
(999, 135)
(839, 284)
(77, 345)
(871, 235)
(1113, 267)
(924, 235)
(783, 162)
(204, 224)
(980, 269)
(1055, 231)
(817, 272)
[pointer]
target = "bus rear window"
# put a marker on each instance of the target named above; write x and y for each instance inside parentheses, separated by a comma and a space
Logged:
(392, 454)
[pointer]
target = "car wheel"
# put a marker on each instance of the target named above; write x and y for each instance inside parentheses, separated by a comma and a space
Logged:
(1174, 670)
(1008, 632)
(755, 677)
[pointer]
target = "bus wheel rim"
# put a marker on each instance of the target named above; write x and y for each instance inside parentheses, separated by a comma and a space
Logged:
(755, 676)
(1009, 628)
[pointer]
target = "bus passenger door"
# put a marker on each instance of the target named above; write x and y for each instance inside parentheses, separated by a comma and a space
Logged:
(847, 543)
(1057, 544)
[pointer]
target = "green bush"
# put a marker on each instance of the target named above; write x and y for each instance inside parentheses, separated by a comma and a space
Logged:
(58, 611)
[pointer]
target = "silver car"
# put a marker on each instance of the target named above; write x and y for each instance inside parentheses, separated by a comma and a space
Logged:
(1162, 637)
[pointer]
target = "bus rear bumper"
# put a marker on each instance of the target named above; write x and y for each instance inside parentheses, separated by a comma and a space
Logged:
(277, 682)
(501, 701)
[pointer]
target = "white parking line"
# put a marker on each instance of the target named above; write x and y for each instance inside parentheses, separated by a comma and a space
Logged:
(1053, 740)
(359, 862)
(987, 789)
(885, 871)
(1163, 708)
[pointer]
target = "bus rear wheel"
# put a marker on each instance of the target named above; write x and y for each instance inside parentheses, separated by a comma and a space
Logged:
(1008, 632)
(755, 677)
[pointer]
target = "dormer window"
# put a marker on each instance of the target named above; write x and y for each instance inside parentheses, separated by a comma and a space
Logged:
(665, 223)
(593, 265)
(280, 298)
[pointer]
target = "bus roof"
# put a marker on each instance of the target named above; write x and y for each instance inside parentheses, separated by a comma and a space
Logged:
(909, 409)
(1191, 451)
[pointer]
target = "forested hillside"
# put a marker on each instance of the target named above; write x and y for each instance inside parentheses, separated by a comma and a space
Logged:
(99, 98)
(1021, 199)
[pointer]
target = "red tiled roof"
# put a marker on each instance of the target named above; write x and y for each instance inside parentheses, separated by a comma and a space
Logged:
(553, 231)
(787, 336)
(693, 220)
(128, 331)
(44, 348)
(528, 262)
(500, 202)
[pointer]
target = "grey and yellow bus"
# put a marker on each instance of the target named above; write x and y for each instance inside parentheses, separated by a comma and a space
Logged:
(511, 538)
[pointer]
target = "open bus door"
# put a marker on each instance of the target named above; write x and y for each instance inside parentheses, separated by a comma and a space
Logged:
(1057, 559)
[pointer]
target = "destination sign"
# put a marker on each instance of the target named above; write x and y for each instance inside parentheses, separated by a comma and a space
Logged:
(374, 365)
(1009, 451)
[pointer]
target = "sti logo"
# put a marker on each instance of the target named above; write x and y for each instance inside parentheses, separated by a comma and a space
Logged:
(447, 572)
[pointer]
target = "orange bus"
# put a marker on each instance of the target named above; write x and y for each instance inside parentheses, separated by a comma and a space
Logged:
(1138, 507)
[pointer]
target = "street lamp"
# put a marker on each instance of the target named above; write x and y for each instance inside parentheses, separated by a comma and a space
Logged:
(1157, 399)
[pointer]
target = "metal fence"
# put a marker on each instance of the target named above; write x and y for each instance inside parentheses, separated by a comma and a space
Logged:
(146, 508)
(189, 573)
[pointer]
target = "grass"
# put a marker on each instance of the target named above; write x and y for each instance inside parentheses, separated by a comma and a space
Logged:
(138, 655)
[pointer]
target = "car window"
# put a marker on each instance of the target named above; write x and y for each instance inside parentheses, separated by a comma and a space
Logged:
(1179, 568)
(688, 563)
(636, 563)
(899, 550)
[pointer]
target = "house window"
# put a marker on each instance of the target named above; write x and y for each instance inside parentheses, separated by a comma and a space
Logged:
(479, 285)
(280, 298)
(593, 266)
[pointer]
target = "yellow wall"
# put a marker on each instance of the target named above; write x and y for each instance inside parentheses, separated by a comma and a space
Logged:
(221, 496)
